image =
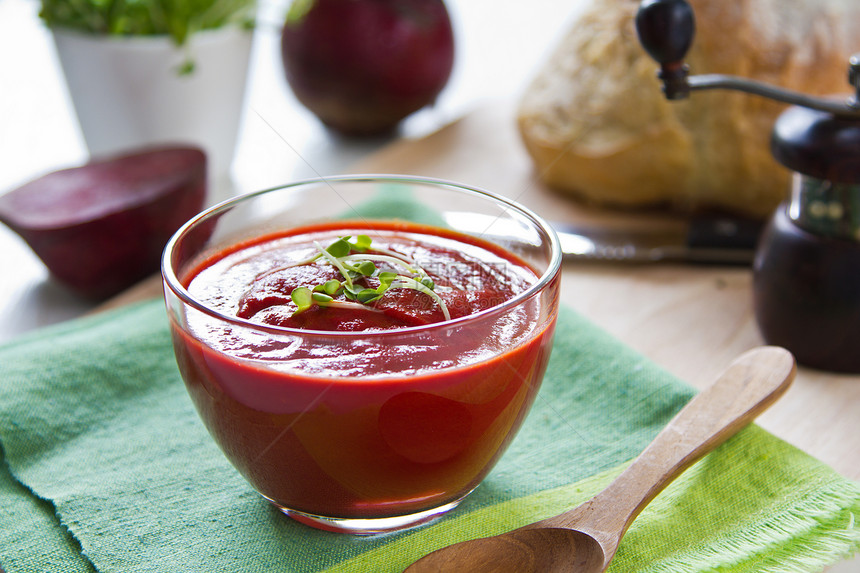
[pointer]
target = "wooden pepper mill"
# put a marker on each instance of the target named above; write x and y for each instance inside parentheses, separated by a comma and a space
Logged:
(806, 273)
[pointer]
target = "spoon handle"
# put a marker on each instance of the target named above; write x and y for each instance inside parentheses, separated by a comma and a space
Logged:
(753, 382)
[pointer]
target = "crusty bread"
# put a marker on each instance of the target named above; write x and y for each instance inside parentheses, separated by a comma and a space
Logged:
(597, 125)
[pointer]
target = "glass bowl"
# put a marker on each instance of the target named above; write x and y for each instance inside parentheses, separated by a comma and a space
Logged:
(372, 430)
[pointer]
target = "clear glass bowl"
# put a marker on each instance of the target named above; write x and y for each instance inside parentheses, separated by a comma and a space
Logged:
(406, 422)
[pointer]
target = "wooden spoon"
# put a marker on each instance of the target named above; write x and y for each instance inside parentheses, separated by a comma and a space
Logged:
(584, 539)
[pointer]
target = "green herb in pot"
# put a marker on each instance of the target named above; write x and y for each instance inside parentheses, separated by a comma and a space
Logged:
(175, 18)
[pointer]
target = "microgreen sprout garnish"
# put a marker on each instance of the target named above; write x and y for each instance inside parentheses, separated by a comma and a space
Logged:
(354, 263)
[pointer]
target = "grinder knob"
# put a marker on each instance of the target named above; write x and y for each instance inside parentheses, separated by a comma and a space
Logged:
(666, 29)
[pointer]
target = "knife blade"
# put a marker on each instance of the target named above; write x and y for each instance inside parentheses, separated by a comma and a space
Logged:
(703, 239)
(700, 239)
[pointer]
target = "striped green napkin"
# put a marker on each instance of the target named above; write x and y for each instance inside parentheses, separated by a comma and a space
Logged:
(107, 468)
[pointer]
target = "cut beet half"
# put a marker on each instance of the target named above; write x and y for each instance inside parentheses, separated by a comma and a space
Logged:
(101, 227)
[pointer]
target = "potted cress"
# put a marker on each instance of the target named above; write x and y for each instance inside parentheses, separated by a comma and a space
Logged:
(147, 72)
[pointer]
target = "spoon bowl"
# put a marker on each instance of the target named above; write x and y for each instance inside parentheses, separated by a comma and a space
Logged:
(545, 549)
(585, 539)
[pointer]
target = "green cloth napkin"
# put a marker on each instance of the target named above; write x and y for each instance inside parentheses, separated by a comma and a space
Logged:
(108, 468)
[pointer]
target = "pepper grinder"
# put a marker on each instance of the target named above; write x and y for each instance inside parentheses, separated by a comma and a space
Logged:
(806, 272)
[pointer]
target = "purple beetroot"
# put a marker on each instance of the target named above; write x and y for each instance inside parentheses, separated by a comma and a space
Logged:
(361, 66)
(101, 227)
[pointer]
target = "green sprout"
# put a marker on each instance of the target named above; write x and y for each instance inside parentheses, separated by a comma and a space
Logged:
(353, 262)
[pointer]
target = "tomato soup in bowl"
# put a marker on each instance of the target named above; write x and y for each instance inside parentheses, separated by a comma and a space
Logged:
(363, 371)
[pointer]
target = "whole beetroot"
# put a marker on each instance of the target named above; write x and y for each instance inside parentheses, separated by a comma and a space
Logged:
(362, 66)
(101, 227)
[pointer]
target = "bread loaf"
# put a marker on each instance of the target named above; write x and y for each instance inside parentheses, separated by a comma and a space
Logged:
(597, 125)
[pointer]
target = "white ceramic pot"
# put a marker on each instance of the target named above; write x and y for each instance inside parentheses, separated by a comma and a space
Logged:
(128, 92)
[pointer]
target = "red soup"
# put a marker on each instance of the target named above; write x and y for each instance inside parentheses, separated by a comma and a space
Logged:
(364, 372)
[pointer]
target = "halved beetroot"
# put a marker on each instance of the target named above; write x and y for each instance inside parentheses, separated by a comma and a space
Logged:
(101, 227)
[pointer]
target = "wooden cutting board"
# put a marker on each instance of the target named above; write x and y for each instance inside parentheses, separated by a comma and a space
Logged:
(692, 320)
